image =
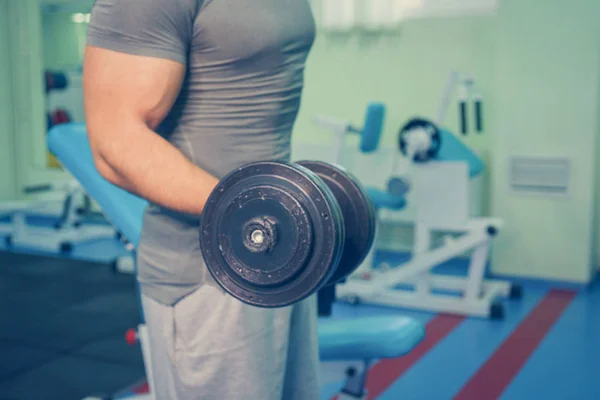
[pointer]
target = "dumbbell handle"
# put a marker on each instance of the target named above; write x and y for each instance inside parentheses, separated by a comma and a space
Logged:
(260, 234)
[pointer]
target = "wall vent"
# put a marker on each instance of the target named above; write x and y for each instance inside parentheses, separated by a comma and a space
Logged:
(537, 175)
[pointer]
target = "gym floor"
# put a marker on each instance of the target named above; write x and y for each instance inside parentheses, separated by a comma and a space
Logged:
(62, 324)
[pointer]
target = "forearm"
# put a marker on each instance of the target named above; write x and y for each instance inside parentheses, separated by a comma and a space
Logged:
(145, 164)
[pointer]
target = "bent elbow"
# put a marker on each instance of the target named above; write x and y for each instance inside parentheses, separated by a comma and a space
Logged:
(109, 152)
(101, 161)
(105, 169)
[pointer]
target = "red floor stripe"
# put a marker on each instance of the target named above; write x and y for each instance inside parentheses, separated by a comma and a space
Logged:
(495, 375)
(142, 389)
(383, 374)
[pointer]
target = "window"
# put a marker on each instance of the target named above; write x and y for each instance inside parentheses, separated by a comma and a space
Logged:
(80, 18)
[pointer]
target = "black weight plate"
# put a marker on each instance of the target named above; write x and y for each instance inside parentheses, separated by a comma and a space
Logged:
(296, 217)
(420, 123)
(358, 212)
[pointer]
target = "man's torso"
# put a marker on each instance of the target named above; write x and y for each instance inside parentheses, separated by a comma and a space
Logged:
(238, 104)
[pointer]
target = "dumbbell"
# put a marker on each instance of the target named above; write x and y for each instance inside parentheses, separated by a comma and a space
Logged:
(273, 233)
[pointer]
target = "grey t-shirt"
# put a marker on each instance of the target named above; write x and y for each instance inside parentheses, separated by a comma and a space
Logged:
(240, 98)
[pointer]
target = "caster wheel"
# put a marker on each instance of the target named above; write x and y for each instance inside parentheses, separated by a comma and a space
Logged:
(350, 372)
(516, 292)
(66, 247)
(114, 267)
(354, 300)
(496, 311)
(492, 230)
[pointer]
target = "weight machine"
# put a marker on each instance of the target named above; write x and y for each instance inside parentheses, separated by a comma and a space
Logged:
(69, 228)
(437, 176)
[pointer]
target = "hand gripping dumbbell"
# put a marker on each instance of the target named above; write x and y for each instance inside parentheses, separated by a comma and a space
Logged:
(274, 233)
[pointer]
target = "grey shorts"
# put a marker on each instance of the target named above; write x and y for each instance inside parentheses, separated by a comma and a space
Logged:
(211, 346)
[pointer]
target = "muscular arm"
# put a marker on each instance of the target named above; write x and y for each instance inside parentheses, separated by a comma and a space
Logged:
(126, 97)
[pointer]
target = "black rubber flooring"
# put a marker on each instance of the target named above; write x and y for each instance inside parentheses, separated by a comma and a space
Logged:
(62, 326)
